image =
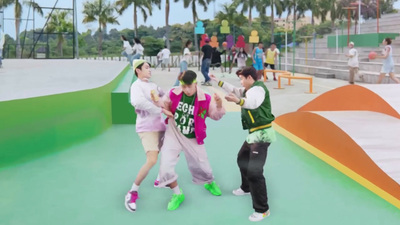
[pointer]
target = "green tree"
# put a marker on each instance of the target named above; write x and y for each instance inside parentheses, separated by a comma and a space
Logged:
(17, 14)
(145, 6)
(60, 22)
(101, 11)
(192, 4)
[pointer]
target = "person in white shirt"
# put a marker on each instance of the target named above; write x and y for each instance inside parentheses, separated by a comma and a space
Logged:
(126, 49)
(353, 62)
(185, 60)
(138, 49)
(241, 58)
(150, 125)
(165, 58)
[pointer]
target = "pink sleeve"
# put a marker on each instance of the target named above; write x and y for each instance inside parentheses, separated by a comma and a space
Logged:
(214, 112)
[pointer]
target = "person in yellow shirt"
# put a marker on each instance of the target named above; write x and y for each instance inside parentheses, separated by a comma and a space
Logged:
(270, 56)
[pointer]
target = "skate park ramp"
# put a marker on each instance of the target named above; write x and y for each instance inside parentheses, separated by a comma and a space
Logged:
(63, 158)
(355, 129)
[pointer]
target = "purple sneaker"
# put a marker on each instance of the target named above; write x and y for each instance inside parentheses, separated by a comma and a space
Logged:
(130, 200)
(156, 183)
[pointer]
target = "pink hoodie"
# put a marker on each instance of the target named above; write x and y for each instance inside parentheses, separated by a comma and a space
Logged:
(203, 107)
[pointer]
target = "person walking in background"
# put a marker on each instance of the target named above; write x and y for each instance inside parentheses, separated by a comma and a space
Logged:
(216, 59)
(257, 56)
(165, 53)
(159, 58)
(185, 60)
(353, 62)
(270, 57)
(241, 58)
(231, 57)
(2, 40)
(388, 63)
(206, 52)
(126, 49)
(138, 49)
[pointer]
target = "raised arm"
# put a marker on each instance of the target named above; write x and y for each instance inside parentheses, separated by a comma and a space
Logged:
(216, 111)
(229, 88)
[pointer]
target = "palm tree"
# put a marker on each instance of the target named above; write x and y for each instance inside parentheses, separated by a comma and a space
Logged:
(248, 5)
(17, 15)
(193, 3)
(145, 6)
(101, 11)
(60, 22)
(230, 14)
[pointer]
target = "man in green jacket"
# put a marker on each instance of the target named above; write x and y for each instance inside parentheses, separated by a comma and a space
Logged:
(256, 115)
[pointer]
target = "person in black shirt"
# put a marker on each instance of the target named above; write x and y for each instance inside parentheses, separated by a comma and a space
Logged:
(216, 59)
(206, 52)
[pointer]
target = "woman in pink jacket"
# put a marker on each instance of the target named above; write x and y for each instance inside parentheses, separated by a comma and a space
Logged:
(188, 108)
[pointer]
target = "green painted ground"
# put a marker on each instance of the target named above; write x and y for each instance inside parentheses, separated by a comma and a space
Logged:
(86, 184)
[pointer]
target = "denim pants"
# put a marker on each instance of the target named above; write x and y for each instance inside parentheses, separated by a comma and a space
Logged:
(205, 68)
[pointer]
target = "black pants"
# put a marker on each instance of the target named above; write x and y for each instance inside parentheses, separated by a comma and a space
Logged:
(251, 160)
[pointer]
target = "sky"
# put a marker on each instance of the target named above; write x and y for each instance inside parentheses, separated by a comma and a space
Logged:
(178, 14)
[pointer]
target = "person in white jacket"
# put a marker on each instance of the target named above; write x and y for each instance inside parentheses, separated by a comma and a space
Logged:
(150, 125)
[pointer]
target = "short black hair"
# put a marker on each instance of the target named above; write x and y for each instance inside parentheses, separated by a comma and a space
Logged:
(248, 71)
(137, 40)
(273, 43)
(188, 77)
(139, 67)
(388, 40)
(260, 42)
(165, 46)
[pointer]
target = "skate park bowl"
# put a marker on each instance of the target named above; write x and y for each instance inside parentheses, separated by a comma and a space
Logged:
(70, 154)
(355, 129)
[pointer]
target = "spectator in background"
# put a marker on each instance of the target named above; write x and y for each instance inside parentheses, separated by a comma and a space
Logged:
(138, 49)
(388, 63)
(271, 57)
(353, 62)
(241, 58)
(165, 53)
(231, 57)
(216, 59)
(185, 60)
(257, 56)
(206, 52)
(126, 49)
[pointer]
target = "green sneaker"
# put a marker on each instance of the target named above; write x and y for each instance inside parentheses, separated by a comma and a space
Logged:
(176, 200)
(213, 188)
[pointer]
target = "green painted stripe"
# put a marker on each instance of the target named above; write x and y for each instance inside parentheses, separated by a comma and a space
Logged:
(38, 126)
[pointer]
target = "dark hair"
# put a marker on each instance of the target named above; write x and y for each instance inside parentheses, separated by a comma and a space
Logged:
(248, 71)
(123, 38)
(260, 42)
(165, 46)
(188, 76)
(240, 53)
(388, 41)
(188, 43)
(137, 41)
(139, 67)
(273, 43)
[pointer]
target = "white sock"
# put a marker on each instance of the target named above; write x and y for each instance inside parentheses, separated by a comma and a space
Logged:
(158, 177)
(176, 190)
(134, 187)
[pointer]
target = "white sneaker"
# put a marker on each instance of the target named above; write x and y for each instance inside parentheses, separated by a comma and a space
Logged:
(130, 201)
(240, 192)
(255, 217)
